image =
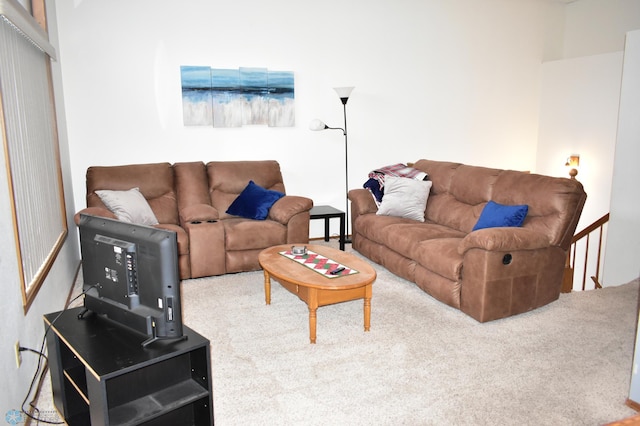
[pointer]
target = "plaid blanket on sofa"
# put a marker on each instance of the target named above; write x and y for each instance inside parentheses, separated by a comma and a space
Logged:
(375, 184)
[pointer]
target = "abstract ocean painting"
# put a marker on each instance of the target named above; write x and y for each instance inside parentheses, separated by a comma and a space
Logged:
(237, 97)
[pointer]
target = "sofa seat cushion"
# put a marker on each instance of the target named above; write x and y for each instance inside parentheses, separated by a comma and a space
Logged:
(440, 255)
(405, 238)
(374, 227)
(248, 234)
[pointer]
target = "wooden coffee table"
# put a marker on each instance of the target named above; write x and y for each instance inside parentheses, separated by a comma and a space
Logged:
(314, 288)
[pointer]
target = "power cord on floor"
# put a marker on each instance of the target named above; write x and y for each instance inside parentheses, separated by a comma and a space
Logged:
(34, 412)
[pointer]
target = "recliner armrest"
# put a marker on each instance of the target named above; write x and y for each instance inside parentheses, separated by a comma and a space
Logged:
(288, 206)
(94, 211)
(362, 202)
(199, 213)
(503, 239)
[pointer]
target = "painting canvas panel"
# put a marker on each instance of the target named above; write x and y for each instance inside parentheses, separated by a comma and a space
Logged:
(196, 96)
(227, 98)
(281, 99)
(254, 83)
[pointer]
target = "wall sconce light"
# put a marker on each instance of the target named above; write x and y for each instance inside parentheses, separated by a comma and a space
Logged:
(573, 161)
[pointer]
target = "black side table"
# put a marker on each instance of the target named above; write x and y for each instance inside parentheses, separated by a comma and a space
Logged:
(326, 213)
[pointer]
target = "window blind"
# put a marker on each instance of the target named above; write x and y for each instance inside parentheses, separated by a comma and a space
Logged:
(31, 149)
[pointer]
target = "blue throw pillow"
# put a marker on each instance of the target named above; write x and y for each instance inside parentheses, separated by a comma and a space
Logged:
(495, 215)
(254, 202)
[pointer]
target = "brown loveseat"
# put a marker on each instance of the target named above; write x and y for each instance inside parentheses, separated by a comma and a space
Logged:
(192, 199)
(489, 273)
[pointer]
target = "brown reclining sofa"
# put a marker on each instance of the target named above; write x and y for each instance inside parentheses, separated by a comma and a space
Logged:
(488, 273)
(192, 199)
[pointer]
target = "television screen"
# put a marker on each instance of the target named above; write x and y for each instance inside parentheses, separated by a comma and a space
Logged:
(131, 276)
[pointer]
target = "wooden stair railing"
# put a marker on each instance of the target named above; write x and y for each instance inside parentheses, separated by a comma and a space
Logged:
(567, 281)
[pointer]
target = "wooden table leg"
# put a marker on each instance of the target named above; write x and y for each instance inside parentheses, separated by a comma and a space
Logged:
(313, 308)
(367, 307)
(267, 288)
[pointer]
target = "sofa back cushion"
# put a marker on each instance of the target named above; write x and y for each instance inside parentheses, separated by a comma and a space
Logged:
(155, 182)
(227, 179)
(460, 192)
(191, 183)
(555, 204)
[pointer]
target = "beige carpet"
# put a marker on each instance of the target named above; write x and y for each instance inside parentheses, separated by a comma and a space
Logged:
(568, 363)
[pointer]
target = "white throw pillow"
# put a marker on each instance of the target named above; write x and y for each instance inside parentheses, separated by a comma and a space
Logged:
(129, 206)
(405, 197)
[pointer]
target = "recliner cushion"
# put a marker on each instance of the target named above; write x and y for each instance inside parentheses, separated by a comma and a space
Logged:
(245, 234)
(155, 181)
(405, 238)
(440, 255)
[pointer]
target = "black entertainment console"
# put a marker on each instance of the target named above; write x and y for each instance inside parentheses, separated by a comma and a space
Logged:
(102, 375)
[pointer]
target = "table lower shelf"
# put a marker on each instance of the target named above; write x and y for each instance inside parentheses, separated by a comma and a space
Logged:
(158, 403)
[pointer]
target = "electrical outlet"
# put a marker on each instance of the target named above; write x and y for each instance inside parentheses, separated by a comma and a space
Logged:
(18, 354)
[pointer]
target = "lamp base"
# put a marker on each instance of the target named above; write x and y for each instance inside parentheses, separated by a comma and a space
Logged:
(346, 240)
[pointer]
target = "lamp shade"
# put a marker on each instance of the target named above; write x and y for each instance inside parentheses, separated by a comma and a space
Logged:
(343, 92)
(317, 125)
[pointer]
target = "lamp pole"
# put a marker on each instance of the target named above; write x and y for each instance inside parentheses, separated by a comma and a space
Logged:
(343, 94)
(347, 240)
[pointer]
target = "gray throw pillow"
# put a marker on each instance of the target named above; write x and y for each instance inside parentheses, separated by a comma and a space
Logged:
(405, 197)
(129, 206)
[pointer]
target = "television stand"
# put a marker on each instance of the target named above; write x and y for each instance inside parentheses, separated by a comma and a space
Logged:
(101, 374)
(154, 338)
(148, 341)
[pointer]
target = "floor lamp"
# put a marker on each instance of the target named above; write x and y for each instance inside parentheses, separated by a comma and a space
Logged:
(343, 93)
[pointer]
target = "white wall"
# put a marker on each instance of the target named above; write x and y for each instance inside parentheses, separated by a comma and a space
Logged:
(580, 93)
(29, 329)
(599, 26)
(455, 80)
(622, 260)
(624, 233)
(579, 115)
(579, 106)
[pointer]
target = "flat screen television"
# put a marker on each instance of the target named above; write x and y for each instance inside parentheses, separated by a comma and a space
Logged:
(131, 276)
